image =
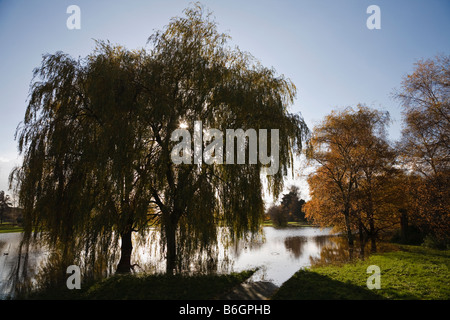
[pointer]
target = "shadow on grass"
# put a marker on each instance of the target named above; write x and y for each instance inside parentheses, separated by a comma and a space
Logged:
(308, 285)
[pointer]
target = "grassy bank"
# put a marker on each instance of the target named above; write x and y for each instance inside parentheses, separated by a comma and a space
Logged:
(294, 224)
(150, 287)
(411, 272)
(8, 227)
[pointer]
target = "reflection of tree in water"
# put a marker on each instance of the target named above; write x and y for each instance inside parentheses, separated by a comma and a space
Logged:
(42, 266)
(254, 242)
(148, 256)
(333, 250)
(295, 245)
(321, 241)
(100, 259)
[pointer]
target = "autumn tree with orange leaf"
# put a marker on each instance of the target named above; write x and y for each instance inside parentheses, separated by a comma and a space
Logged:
(353, 161)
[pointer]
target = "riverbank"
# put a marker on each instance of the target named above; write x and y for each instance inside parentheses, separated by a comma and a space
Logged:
(290, 224)
(411, 272)
(10, 228)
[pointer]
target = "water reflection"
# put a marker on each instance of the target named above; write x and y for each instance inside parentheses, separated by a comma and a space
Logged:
(295, 245)
(9, 245)
(279, 253)
(335, 250)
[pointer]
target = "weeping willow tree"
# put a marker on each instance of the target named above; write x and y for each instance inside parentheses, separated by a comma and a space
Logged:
(201, 78)
(96, 142)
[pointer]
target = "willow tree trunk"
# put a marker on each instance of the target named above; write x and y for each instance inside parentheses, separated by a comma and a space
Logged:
(126, 249)
(171, 248)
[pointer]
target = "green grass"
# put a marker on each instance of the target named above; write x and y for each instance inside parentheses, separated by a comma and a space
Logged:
(7, 228)
(151, 287)
(409, 273)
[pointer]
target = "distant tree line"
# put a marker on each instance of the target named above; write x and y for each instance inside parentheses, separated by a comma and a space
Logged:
(289, 210)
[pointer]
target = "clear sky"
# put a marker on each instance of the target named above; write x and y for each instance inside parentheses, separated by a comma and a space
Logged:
(323, 46)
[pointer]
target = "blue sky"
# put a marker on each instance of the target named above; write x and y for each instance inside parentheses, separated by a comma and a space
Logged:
(323, 46)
